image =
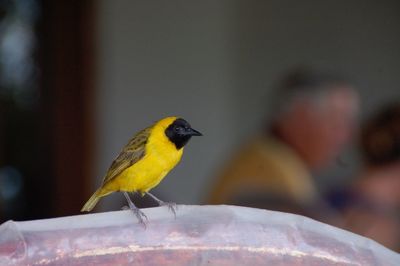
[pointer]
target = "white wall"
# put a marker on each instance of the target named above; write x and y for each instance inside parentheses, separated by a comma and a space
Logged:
(212, 63)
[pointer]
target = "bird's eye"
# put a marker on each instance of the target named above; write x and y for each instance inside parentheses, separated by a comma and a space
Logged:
(177, 129)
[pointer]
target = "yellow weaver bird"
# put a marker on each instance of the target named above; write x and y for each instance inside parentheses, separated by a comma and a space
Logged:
(145, 161)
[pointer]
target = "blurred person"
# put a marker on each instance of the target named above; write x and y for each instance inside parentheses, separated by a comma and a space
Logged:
(313, 119)
(372, 205)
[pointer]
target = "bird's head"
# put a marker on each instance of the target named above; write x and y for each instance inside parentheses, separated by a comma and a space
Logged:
(179, 132)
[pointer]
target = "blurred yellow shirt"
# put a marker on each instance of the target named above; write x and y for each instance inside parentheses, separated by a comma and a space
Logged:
(268, 167)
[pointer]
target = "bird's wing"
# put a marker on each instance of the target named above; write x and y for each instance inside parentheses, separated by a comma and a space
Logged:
(130, 154)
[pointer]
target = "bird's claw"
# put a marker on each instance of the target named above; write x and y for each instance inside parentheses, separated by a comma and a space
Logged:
(171, 206)
(140, 215)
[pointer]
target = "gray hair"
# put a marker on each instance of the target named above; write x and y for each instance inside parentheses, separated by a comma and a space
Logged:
(304, 83)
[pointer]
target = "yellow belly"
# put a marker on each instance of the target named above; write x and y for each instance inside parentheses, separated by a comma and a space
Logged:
(149, 171)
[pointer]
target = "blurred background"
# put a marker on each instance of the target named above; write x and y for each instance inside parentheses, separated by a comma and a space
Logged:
(78, 78)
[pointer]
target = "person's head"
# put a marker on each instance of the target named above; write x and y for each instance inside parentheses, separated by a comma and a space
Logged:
(374, 209)
(316, 115)
(380, 137)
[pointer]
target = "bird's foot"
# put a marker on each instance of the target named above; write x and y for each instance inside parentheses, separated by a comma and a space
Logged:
(138, 213)
(140, 216)
(171, 206)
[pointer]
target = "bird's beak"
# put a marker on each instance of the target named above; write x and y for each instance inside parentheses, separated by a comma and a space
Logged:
(193, 132)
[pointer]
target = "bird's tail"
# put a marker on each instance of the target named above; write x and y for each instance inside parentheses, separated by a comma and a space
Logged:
(91, 203)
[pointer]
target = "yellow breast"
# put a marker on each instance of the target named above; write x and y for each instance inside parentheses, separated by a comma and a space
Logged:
(160, 157)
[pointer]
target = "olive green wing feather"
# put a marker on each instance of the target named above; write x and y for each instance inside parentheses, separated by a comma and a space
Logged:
(130, 154)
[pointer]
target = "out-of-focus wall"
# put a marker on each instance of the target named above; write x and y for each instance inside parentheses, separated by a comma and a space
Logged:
(162, 58)
(212, 62)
